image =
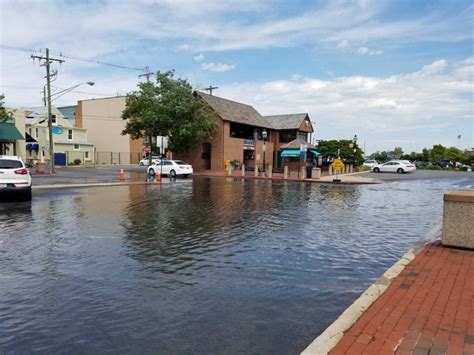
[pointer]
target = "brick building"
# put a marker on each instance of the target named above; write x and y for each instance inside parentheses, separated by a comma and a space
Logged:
(239, 136)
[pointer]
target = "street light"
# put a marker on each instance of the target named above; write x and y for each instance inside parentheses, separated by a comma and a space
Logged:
(50, 119)
(264, 136)
(354, 140)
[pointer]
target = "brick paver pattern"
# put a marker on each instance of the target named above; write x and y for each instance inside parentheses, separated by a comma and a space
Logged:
(428, 309)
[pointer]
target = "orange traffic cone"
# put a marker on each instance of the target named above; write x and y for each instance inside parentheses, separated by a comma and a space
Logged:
(158, 177)
(122, 175)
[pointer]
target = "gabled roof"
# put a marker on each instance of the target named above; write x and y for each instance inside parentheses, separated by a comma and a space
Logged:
(296, 144)
(235, 111)
(289, 121)
(38, 115)
(69, 112)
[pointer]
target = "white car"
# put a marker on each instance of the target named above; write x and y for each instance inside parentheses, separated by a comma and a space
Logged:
(15, 178)
(171, 168)
(370, 163)
(395, 166)
(145, 161)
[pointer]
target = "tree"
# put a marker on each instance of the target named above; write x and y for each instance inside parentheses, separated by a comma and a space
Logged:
(454, 154)
(438, 153)
(168, 108)
(329, 150)
(397, 152)
(4, 114)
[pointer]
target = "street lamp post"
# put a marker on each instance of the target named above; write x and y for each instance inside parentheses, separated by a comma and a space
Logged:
(354, 140)
(50, 119)
(264, 136)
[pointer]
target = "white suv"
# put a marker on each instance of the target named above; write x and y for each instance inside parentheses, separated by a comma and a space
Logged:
(15, 178)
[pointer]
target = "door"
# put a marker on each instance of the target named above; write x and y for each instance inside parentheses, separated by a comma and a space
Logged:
(206, 155)
(60, 159)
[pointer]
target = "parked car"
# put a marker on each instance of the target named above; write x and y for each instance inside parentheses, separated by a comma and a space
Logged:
(15, 178)
(370, 163)
(446, 164)
(171, 168)
(395, 166)
(421, 163)
(145, 161)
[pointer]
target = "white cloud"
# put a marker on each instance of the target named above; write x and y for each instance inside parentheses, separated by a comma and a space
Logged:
(366, 50)
(217, 67)
(343, 44)
(432, 99)
(198, 58)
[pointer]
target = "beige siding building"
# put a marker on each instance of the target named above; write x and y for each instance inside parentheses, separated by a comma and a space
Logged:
(102, 118)
(12, 135)
(69, 141)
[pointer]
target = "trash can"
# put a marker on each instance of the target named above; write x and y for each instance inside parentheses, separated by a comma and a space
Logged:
(309, 172)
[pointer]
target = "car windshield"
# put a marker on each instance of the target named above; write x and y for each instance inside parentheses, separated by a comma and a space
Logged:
(10, 164)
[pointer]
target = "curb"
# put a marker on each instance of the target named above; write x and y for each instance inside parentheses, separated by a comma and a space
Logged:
(99, 184)
(334, 333)
(313, 181)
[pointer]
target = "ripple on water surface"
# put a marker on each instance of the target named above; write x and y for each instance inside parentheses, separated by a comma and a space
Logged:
(198, 266)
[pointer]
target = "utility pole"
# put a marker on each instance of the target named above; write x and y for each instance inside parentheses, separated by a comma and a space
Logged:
(150, 132)
(47, 62)
(210, 88)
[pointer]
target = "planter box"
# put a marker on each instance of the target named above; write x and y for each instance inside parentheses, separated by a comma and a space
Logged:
(88, 164)
(458, 228)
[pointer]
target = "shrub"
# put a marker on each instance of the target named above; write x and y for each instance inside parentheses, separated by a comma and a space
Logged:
(77, 161)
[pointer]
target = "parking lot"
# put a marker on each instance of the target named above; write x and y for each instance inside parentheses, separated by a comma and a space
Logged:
(419, 174)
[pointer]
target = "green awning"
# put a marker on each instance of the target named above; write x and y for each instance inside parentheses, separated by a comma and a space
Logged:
(290, 153)
(315, 153)
(9, 133)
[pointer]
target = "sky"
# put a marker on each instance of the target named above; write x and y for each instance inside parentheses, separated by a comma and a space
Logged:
(395, 73)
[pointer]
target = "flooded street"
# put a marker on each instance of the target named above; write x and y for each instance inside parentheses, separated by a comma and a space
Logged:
(199, 265)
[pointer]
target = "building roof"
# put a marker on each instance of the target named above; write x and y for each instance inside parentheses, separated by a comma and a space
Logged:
(296, 144)
(235, 111)
(38, 115)
(288, 121)
(69, 112)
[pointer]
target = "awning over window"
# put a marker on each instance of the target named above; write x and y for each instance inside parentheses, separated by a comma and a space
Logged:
(290, 153)
(29, 139)
(9, 133)
(315, 153)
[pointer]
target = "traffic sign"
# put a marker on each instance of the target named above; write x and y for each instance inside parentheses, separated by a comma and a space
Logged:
(337, 164)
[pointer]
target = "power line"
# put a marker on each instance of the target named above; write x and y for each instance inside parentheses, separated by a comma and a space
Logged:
(60, 54)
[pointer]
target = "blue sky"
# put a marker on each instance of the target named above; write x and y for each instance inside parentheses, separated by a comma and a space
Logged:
(396, 73)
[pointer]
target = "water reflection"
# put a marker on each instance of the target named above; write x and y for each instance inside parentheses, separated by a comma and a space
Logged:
(198, 266)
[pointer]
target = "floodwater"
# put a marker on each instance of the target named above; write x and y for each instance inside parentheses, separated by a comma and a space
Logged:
(199, 266)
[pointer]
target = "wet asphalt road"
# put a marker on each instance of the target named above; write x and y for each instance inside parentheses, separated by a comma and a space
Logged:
(107, 174)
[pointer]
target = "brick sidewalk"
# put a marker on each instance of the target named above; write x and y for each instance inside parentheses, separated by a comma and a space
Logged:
(428, 309)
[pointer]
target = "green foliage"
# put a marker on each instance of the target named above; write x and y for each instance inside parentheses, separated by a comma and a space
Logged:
(4, 114)
(77, 161)
(397, 153)
(381, 157)
(329, 150)
(168, 108)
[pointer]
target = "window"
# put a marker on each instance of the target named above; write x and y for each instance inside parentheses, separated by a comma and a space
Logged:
(287, 136)
(69, 134)
(36, 133)
(86, 155)
(76, 146)
(53, 118)
(42, 153)
(29, 131)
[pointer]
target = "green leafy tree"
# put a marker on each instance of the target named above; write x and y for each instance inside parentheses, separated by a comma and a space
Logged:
(168, 108)
(4, 114)
(397, 152)
(426, 155)
(454, 154)
(438, 152)
(329, 150)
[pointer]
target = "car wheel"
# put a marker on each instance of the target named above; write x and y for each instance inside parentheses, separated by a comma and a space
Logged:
(151, 171)
(400, 171)
(376, 170)
(27, 195)
(173, 173)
